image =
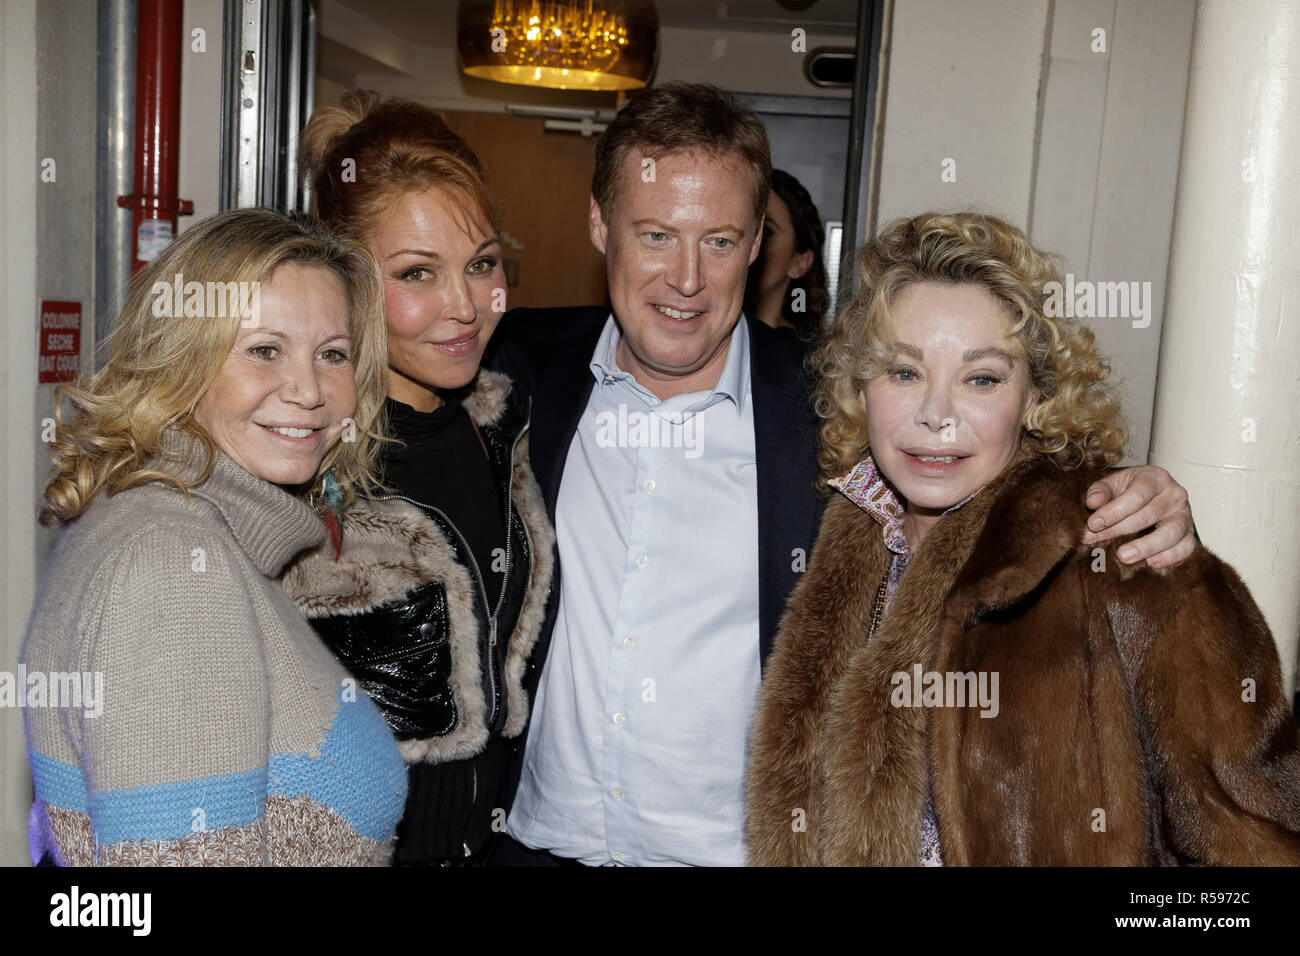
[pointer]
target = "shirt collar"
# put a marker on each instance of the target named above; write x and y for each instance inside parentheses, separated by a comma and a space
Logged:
(865, 486)
(733, 382)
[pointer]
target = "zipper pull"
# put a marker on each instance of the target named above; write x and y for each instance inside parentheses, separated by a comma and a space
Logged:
(492, 631)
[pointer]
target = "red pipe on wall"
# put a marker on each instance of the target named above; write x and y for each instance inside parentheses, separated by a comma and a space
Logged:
(155, 205)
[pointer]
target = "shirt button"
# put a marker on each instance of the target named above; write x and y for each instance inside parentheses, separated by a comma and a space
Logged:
(629, 641)
(620, 718)
(641, 560)
(649, 484)
(618, 795)
(616, 856)
(609, 379)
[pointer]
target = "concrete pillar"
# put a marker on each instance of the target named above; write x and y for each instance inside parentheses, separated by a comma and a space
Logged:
(1227, 413)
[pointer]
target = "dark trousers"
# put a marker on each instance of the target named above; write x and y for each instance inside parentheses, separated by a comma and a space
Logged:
(510, 852)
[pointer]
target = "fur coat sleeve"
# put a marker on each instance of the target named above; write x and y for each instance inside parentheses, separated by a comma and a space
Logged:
(1207, 690)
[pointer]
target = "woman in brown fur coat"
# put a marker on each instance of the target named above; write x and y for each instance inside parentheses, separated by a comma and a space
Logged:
(959, 679)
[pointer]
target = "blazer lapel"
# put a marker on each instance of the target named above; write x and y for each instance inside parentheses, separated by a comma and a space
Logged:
(564, 385)
(785, 442)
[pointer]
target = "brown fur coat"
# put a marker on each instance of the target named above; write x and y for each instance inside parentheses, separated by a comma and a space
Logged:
(1121, 737)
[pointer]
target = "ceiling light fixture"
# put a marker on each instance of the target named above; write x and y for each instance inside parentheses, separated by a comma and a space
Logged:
(561, 44)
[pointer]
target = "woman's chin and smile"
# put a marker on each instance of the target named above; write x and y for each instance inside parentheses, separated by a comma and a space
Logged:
(933, 479)
(291, 457)
(466, 346)
(280, 445)
(448, 361)
(436, 361)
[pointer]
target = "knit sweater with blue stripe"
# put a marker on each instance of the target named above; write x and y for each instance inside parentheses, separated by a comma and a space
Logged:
(227, 733)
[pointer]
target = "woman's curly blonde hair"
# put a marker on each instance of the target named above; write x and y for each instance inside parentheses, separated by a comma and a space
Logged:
(160, 366)
(1077, 419)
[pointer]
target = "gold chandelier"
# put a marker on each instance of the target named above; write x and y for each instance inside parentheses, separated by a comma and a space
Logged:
(561, 44)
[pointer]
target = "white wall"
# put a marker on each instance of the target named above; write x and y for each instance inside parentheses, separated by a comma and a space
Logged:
(1108, 167)
(744, 62)
(65, 209)
(47, 253)
(199, 156)
(18, 153)
(962, 85)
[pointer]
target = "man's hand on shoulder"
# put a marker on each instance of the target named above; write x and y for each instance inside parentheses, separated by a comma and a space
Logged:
(1125, 502)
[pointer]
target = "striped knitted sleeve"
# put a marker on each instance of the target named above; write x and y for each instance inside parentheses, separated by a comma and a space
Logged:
(175, 764)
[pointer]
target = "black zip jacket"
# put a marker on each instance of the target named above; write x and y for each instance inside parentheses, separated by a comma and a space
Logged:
(404, 607)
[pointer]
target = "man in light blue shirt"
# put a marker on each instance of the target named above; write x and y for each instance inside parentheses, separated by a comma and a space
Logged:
(676, 491)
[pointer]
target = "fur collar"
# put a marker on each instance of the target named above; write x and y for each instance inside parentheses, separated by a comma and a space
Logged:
(487, 403)
(827, 745)
(1033, 521)
(391, 547)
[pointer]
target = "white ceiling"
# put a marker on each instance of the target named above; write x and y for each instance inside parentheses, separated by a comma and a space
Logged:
(821, 16)
(433, 22)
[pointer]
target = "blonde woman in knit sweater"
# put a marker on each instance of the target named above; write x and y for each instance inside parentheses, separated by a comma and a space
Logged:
(226, 733)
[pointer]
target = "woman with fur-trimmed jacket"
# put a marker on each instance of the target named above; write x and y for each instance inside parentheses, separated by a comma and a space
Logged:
(432, 592)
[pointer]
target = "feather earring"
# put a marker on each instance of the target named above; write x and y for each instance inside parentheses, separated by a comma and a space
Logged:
(329, 505)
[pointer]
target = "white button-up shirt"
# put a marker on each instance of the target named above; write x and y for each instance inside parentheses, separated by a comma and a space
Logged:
(636, 751)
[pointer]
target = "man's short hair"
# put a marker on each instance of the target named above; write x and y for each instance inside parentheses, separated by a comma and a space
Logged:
(683, 116)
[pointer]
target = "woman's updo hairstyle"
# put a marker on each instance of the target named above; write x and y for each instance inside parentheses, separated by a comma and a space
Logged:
(363, 155)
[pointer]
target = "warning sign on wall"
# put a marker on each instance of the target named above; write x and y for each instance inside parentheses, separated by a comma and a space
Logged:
(60, 332)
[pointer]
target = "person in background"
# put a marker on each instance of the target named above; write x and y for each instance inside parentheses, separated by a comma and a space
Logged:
(787, 284)
(1006, 694)
(226, 733)
(435, 592)
(675, 449)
